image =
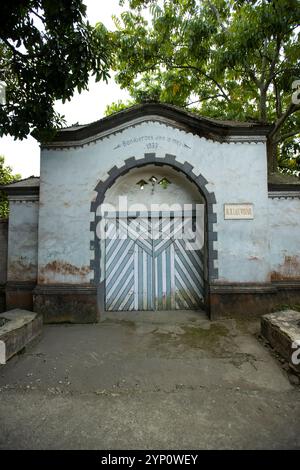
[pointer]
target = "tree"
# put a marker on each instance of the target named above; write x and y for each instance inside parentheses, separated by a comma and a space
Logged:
(47, 50)
(222, 58)
(117, 106)
(289, 157)
(6, 176)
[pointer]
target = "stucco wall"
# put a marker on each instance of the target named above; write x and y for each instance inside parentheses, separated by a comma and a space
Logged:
(236, 173)
(3, 250)
(181, 191)
(284, 230)
(22, 241)
(3, 261)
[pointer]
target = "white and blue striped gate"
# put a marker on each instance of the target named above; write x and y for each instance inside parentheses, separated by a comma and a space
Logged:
(148, 266)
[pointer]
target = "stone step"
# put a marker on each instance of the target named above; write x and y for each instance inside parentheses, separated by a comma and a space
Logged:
(282, 330)
(17, 329)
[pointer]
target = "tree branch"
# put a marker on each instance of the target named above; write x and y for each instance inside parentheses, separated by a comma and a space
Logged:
(278, 99)
(36, 14)
(263, 64)
(286, 136)
(203, 99)
(273, 63)
(12, 48)
(253, 76)
(217, 15)
(279, 123)
(208, 77)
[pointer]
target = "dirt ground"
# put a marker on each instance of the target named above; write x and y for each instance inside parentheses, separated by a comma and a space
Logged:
(164, 380)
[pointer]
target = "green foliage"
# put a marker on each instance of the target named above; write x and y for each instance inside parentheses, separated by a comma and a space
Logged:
(117, 106)
(222, 58)
(6, 176)
(47, 51)
(289, 157)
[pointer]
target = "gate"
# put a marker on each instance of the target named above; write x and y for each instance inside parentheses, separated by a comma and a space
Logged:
(149, 266)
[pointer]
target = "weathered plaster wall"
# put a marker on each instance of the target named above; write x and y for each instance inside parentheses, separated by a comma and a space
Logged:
(22, 241)
(236, 172)
(284, 233)
(3, 250)
(3, 261)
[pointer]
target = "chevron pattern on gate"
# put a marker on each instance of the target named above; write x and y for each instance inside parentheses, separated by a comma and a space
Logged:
(119, 273)
(189, 276)
(152, 269)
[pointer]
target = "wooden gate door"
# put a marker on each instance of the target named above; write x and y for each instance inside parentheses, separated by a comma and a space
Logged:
(151, 268)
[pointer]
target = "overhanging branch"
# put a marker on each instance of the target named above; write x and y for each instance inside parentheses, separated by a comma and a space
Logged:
(279, 123)
(287, 135)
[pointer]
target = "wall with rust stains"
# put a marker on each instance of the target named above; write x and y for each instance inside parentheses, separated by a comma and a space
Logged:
(23, 241)
(284, 230)
(236, 173)
(3, 250)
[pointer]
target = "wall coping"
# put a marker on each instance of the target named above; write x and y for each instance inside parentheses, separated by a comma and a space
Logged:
(212, 129)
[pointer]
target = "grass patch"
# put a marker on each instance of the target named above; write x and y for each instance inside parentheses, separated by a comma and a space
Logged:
(127, 323)
(279, 308)
(196, 337)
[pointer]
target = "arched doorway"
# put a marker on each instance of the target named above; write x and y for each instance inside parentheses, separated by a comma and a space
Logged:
(134, 272)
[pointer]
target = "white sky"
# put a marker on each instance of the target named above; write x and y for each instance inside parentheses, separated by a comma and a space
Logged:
(24, 156)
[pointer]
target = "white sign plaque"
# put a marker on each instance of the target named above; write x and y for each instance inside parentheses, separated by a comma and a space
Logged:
(238, 211)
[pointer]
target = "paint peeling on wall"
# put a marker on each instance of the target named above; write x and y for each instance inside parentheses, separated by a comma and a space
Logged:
(284, 230)
(70, 272)
(22, 269)
(290, 269)
(23, 241)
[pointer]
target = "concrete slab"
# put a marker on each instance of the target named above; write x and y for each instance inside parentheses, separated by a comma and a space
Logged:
(132, 382)
(17, 329)
(151, 316)
(282, 330)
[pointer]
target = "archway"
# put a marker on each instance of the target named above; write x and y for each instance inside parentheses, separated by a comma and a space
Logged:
(97, 263)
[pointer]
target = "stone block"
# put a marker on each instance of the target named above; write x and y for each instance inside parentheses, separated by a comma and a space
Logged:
(282, 330)
(18, 328)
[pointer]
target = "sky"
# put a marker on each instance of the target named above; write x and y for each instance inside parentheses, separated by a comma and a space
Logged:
(24, 156)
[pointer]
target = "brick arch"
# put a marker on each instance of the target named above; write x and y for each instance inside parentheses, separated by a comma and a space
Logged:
(150, 158)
